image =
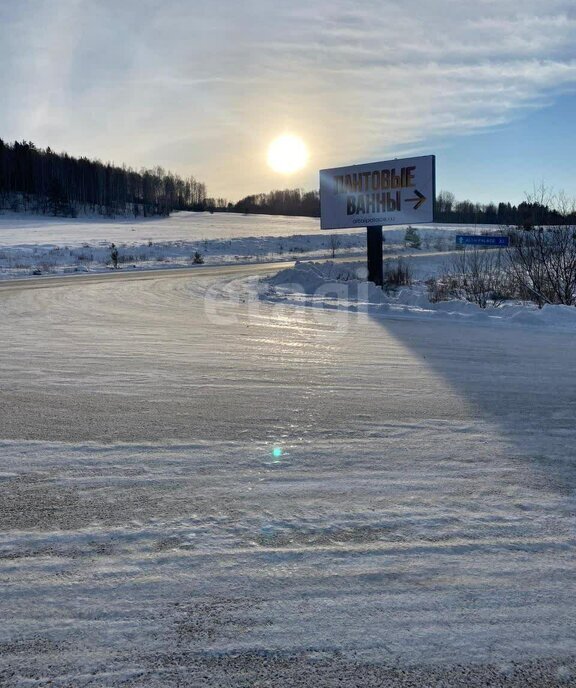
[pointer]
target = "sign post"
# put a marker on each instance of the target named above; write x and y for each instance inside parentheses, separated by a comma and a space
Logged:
(374, 248)
(377, 194)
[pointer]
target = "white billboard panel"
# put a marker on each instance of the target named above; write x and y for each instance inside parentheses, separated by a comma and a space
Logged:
(393, 192)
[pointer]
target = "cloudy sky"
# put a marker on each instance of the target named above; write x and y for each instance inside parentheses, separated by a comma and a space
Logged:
(202, 86)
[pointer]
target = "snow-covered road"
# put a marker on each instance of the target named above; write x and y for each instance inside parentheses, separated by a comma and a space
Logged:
(416, 526)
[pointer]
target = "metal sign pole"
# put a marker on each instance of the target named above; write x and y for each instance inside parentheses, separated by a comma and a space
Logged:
(375, 263)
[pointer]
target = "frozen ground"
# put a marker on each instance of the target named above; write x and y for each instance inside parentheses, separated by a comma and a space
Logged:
(418, 528)
(57, 246)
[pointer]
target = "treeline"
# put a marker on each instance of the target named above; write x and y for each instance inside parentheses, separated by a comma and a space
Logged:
(298, 202)
(39, 180)
(527, 214)
(280, 202)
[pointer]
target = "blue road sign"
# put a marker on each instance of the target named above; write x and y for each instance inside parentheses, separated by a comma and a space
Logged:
(476, 240)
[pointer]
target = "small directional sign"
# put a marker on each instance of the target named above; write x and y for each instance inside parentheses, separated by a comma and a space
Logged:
(392, 192)
(477, 240)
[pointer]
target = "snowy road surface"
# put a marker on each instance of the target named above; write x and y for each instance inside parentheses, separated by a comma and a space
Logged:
(417, 529)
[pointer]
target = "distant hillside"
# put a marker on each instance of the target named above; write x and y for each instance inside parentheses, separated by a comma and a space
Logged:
(39, 180)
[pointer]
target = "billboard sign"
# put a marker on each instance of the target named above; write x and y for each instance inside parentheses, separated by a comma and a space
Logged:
(475, 240)
(393, 192)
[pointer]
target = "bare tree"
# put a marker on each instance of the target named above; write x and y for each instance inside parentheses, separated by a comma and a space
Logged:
(334, 243)
(543, 257)
(480, 276)
(114, 255)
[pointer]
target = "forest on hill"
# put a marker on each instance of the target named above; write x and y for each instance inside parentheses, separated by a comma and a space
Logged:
(40, 180)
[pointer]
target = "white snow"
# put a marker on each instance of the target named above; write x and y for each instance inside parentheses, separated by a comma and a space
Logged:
(343, 285)
(425, 543)
(418, 529)
(61, 246)
(17, 228)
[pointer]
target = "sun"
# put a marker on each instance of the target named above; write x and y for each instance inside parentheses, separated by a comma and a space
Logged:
(287, 154)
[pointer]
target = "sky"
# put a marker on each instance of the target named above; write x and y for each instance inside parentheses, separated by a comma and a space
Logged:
(201, 87)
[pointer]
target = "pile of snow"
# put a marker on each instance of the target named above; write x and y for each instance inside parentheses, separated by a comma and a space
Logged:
(344, 286)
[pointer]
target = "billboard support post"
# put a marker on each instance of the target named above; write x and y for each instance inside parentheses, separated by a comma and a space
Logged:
(375, 262)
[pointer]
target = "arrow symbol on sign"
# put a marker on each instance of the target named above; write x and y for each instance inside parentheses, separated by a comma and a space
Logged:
(421, 198)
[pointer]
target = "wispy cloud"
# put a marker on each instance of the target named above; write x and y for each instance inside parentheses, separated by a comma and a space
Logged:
(202, 86)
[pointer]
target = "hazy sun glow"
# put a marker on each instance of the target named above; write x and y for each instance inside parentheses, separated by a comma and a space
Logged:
(287, 154)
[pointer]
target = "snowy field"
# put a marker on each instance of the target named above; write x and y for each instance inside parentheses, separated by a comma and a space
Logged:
(203, 488)
(17, 228)
(48, 245)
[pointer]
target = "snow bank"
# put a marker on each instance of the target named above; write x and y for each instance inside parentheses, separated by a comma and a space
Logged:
(344, 285)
